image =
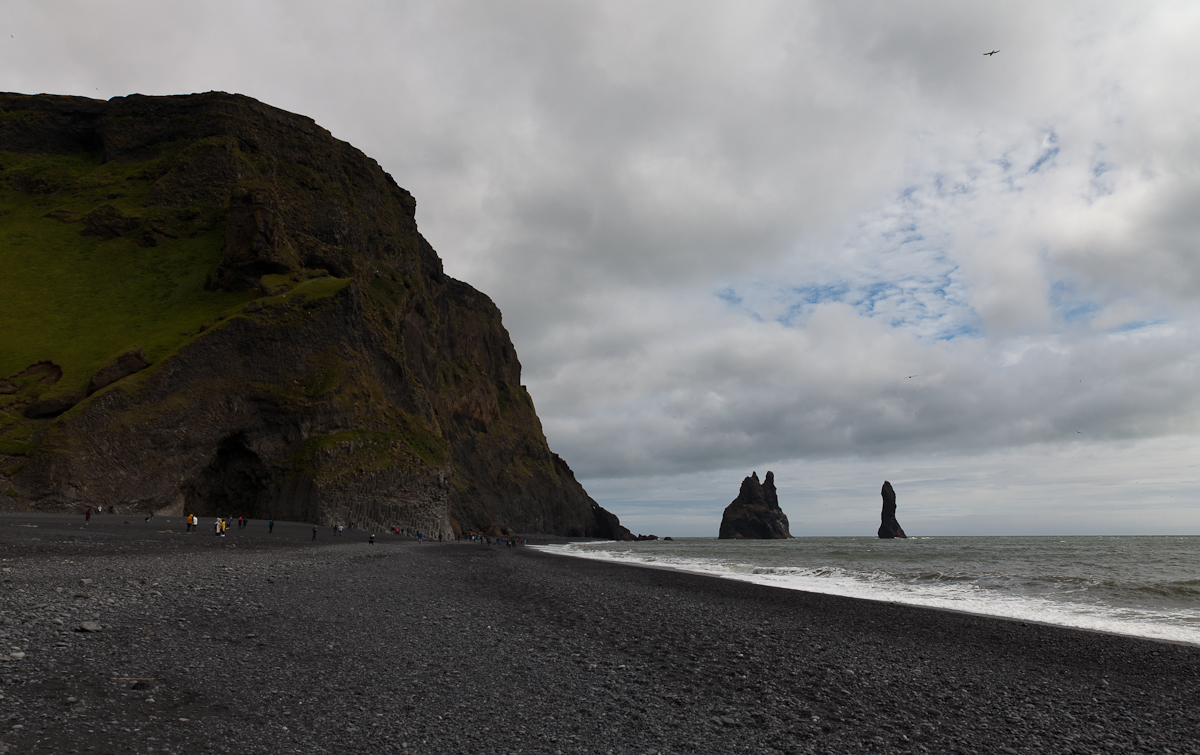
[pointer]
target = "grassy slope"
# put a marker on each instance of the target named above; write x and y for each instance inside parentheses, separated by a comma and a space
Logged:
(77, 300)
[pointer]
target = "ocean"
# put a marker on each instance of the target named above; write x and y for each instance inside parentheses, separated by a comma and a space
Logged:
(1136, 585)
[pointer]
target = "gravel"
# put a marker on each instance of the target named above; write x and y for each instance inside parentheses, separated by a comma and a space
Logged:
(122, 637)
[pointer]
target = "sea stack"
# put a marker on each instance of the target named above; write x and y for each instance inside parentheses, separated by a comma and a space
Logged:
(889, 528)
(755, 513)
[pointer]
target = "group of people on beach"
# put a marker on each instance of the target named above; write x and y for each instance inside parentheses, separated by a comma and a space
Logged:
(220, 524)
(508, 542)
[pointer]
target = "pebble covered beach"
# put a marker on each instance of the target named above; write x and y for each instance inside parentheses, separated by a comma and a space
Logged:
(119, 636)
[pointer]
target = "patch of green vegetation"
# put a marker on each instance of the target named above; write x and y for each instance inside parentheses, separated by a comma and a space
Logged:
(17, 427)
(78, 300)
(11, 470)
(389, 294)
(379, 449)
(311, 289)
(316, 443)
(503, 397)
(425, 441)
(452, 375)
(325, 376)
(362, 450)
(274, 284)
(15, 447)
(141, 413)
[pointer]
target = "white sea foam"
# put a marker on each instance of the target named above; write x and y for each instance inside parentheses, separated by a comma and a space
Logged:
(988, 595)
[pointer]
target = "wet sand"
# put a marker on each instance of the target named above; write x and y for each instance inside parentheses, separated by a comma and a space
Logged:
(271, 643)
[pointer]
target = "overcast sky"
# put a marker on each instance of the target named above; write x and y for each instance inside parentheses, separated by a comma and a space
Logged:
(829, 239)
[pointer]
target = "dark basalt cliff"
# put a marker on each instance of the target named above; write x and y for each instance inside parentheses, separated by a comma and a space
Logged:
(307, 357)
(755, 513)
(889, 528)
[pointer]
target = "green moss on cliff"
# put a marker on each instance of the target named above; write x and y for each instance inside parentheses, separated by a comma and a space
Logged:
(363, 450)
(15, 447)
(78, 299)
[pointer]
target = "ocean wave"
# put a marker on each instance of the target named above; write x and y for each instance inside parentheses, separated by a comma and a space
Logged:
(1166, 609)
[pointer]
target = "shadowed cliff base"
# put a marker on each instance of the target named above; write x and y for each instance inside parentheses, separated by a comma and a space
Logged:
(246, 321)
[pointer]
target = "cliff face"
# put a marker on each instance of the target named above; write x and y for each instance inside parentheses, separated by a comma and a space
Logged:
(755, 514)
(308, 358)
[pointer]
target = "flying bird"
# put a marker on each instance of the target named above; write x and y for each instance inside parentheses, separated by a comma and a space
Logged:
(910, 377)
(993, 52)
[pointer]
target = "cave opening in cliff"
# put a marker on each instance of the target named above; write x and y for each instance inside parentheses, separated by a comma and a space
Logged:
(234, 484)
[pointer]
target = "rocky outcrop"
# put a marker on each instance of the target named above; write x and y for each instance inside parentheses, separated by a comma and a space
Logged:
(889, 528)
(346, 377)
(755, 513)
(123, 365)
(48, 408)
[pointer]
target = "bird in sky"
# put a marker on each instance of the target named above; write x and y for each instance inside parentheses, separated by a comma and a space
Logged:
(910, 377)
(993, 52)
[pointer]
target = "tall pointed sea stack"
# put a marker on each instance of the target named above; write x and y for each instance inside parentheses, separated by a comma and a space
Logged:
(755, 513)
(889, 528)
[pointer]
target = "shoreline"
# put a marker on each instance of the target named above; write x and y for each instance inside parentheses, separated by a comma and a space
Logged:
(287, 645)
(965, 612)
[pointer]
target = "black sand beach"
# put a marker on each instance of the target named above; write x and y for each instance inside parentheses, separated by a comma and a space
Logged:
(257, 643)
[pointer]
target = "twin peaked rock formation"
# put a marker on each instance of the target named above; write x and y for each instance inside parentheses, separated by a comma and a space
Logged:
(755, 513)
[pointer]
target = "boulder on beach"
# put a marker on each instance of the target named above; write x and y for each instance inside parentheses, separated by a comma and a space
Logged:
(889, 528)
(755, 513)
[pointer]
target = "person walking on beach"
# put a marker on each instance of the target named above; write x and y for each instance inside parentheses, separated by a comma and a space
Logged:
(371, 539)
(314, 537)
(270, 526)
(87, 515)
